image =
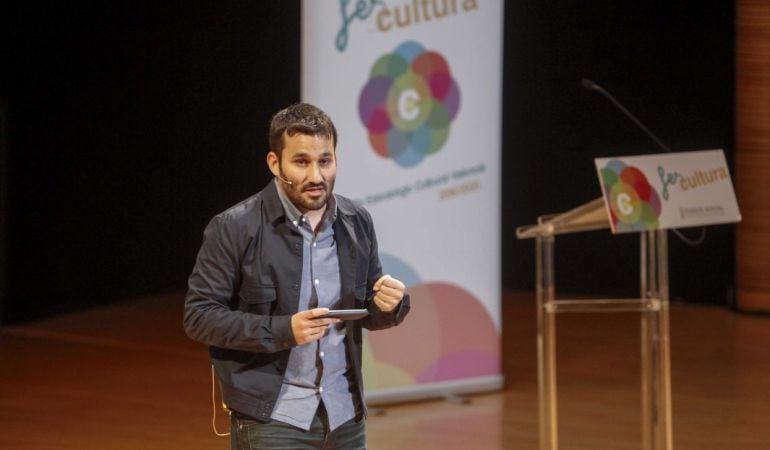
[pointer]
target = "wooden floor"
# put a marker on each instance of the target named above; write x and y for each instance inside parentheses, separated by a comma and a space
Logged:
(126, 377)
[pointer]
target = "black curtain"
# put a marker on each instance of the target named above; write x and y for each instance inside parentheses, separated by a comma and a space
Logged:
(129, 124)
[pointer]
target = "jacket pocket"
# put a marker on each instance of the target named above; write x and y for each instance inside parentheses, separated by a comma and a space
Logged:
(257, 299)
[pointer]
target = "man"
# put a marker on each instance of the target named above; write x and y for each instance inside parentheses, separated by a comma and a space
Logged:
(269, 269)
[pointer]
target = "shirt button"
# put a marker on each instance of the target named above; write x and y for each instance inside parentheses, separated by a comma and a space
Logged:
(316, 281)
(322, 354)
(320, 389)
(314, 244)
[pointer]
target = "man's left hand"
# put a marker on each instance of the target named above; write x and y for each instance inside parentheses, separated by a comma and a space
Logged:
(389, 292)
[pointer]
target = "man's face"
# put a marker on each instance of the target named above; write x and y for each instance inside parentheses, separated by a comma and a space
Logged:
(310, 163)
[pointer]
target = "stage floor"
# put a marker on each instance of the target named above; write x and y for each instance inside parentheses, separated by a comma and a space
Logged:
(126, 377)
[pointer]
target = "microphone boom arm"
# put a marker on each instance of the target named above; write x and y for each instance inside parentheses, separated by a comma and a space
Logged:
(590, 85)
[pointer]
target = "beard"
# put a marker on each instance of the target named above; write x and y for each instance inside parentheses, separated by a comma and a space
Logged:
(308, 196)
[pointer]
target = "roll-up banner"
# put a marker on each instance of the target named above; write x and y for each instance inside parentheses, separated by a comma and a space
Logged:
(415, 88)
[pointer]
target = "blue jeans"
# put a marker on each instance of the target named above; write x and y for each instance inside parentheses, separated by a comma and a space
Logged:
(250, 434)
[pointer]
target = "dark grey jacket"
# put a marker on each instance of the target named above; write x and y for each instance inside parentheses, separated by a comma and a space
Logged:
(245, 287)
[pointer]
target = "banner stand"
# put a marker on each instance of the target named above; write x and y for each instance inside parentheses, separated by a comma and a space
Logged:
(434, 390)
(418, 108)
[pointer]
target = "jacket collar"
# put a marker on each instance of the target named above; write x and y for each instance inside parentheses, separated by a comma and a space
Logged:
(273, 206)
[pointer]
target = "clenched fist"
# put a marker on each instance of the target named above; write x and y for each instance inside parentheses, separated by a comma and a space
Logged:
(389, 292)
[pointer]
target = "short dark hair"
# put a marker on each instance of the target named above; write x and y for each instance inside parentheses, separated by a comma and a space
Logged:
(302, 118)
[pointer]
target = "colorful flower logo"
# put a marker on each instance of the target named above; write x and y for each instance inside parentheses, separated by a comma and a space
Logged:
(408, 104)
(634, 204)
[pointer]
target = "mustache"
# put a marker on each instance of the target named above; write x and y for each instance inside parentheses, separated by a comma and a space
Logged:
(310, 186)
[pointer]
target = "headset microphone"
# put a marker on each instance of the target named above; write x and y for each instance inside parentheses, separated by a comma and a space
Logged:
(284, 180)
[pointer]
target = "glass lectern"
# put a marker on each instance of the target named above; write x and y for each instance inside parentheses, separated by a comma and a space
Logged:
(652, 305)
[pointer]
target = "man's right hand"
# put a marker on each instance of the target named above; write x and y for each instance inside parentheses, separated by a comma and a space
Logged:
(307, 327)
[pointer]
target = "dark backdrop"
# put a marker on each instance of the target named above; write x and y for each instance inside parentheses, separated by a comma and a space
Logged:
(672, 64)
(129, 124)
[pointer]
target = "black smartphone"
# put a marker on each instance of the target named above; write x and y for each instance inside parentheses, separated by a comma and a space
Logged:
(345, 314)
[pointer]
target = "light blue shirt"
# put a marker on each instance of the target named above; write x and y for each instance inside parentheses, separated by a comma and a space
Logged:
(316, 371)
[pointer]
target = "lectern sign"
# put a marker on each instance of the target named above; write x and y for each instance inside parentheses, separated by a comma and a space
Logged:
(668, 190)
